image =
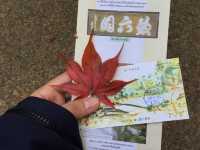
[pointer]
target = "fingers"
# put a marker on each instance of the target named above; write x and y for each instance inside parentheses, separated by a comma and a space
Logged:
(78, 108)
(50, 94)
(56, 97)
(60, 79)
(82, 107)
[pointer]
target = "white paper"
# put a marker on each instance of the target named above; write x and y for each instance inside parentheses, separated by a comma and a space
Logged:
(156, 48)
(122, 5)
(100, 144)
(107, 47)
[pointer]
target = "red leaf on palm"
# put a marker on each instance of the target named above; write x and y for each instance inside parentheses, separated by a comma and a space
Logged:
(74, 89)
(93, 77)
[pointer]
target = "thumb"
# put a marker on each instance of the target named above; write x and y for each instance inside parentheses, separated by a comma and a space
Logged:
(82, 107)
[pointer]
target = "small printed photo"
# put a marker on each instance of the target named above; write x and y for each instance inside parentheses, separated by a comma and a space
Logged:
(132, 134)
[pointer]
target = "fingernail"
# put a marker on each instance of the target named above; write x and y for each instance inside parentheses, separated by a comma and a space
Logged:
(91, 103)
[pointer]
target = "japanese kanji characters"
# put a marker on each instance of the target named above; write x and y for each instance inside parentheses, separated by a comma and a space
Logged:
(144, 27)
(108, 24)
(125, 25)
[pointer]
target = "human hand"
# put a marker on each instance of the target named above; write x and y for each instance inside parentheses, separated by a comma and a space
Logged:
(79, 108)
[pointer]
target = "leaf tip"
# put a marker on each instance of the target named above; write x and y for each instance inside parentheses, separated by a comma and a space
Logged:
(120, 51)
(132, 81)
(91, 34)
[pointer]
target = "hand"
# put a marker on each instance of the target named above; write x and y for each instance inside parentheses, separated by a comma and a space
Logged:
(79, 108)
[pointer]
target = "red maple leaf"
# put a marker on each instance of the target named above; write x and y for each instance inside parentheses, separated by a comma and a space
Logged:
(94, 77)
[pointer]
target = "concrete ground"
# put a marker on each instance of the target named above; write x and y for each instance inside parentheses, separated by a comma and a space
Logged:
(32, 32)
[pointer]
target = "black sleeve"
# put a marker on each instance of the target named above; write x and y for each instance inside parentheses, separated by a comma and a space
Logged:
(36, 124)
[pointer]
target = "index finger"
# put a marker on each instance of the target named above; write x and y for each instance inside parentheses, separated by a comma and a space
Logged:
(60, 79)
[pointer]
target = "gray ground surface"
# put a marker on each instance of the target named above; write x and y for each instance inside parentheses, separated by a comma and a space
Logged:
(33, 31)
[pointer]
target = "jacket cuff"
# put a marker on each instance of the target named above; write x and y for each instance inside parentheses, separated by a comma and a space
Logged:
(49, 115)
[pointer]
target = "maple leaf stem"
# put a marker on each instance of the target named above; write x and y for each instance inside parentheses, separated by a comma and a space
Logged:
(92, 93)
(131, 105)
(115, 110)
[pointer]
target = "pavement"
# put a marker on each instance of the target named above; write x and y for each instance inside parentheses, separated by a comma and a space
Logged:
(33, 32)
